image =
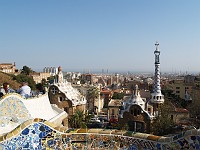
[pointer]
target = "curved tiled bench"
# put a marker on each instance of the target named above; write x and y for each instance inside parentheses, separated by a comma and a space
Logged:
(47, 136)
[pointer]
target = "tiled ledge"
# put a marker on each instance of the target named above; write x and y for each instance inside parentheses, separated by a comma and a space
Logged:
(64, 132)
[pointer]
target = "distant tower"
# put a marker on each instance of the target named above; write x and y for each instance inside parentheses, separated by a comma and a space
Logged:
(60, 75)
(156, 97)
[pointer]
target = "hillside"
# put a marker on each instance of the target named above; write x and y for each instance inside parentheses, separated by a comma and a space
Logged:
(8, 78)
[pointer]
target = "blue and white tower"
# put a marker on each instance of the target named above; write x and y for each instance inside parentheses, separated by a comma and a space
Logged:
(157, 97)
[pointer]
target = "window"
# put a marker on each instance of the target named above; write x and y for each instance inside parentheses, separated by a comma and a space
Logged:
(135, 112)
(177, 91)
(138, 112)
(54, 90)
(177, 87)
(60, 99)
(113, 111)
(131, 112)
(172, 117)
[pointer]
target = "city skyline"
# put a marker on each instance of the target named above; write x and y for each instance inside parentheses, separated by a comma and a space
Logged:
(95, 35)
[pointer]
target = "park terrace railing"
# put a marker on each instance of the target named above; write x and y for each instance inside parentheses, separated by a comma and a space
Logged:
(39, 134)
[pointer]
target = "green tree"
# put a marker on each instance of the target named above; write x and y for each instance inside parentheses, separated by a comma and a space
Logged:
(77, 120)
(26, 70)
(44, 83)
(163, 124)
(51, 79)
(194, 109)
(194, 113)
(118, 96)
(121, 126)
(24, 78)
(41, 86)
(92, 94)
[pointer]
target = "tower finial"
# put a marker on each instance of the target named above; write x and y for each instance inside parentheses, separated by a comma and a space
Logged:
(157, 44)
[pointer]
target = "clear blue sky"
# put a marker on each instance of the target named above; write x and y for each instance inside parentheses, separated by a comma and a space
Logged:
(118, 35)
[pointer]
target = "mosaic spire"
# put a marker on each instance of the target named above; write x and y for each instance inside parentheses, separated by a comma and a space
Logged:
(157, 96)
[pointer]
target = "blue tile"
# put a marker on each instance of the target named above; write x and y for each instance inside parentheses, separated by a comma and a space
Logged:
(25, 131)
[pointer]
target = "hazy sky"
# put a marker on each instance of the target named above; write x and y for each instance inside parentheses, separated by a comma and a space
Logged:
(118, 35)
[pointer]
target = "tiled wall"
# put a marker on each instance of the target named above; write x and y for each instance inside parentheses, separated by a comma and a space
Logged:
(12, 110)
(38, 134)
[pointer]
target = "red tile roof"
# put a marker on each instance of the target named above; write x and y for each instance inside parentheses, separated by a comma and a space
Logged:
(181, 110)
(106, 92)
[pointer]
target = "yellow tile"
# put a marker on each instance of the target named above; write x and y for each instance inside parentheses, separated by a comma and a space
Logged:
(50, 124)
(9, 135)
(15, 132)
(1, 138)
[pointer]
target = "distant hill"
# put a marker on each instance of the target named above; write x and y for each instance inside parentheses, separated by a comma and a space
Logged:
(9, 79)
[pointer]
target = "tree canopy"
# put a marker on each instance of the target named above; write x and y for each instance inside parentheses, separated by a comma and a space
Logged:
(163, 124)
(24, 78)
(26, 70)
(51, 79)
(92, 93)
(118, 96)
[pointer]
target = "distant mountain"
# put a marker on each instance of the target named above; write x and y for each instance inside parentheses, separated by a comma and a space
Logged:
(9, 79)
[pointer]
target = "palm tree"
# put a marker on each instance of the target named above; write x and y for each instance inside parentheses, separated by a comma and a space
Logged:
(77, 120)
(92, 94)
